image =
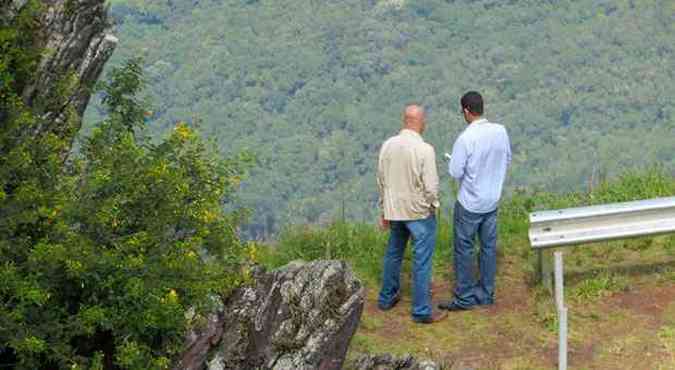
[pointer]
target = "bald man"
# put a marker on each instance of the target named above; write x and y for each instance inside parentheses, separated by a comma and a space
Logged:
(408, 185)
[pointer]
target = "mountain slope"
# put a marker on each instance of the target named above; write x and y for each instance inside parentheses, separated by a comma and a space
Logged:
(313, 87)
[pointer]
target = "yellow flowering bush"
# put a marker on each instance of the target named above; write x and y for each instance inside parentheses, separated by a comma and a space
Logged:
(100, 263)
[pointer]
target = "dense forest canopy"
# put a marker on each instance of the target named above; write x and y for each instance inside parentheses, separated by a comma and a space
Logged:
(313, 87)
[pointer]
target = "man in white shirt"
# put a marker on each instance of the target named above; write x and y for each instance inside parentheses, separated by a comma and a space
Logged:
(408, 186)
(480, 158)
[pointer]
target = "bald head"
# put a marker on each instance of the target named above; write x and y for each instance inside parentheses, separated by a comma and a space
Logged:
(413, 118)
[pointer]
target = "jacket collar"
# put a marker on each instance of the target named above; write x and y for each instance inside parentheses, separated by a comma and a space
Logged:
(409, 132)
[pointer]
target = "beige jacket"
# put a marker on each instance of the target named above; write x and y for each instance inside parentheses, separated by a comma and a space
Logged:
(407, 178)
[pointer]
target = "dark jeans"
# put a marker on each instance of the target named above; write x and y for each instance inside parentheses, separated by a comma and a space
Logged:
(423, 233)
(467, 225)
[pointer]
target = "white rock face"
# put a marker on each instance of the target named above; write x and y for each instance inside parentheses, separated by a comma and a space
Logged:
(75, 39)
(301, 316)
(389, 362)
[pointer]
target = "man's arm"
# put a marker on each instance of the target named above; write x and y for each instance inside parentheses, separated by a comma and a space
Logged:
(384, 224)
(509, 156)
(458, 159)
(380, 179)
(430, 177)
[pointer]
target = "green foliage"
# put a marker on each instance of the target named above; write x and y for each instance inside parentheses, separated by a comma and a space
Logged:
(29, 191)
(18, 56)
(635, 185)
(314, 87)
(100, 263)
(598, 287)
(632, 185)
(119, 95)
(18, 151)
(361, 245)
(31, 195)
(666, 336)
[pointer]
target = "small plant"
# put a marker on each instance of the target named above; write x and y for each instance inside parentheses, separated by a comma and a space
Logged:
(545, 312)
(598, 287)
(669, 245)
(667, 337)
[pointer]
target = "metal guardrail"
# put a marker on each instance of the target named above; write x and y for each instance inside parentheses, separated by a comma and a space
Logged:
(574, 226)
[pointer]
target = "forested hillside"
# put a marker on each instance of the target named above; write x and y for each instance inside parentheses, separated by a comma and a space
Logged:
(312, 87)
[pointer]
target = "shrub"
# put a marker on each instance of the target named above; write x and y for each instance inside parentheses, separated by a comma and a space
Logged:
(99, 270)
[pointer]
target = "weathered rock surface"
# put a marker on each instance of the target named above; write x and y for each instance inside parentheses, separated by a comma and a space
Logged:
(75, 39)
(301, 316)
(389, 362)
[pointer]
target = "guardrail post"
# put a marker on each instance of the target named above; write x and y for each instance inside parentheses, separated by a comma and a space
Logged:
(562, 311)
(544, 273)
(562, 338)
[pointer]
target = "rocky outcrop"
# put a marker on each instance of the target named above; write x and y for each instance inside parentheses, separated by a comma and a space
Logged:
(301, 316)
(75, 43)
(389, 362)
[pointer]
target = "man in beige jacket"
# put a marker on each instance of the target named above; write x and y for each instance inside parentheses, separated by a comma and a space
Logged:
(408, 184)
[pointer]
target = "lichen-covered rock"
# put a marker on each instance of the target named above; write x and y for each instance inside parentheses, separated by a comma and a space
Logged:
(75, 42)
(389, 362)
(301, 316)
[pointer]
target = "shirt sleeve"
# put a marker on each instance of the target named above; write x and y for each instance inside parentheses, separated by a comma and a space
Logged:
(380, 180)
(509, 156)
(430, 178)
(458, 160)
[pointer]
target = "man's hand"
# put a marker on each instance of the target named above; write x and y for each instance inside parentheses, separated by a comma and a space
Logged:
(384, 224)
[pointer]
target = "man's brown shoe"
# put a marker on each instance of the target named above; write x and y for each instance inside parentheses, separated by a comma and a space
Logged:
(393, 303)
(436, 316)
(452, 306)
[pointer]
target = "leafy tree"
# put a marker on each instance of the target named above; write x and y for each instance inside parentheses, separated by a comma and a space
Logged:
(101, 271)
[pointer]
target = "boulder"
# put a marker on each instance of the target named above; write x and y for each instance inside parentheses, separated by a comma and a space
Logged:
(389, 362)
(301, 316)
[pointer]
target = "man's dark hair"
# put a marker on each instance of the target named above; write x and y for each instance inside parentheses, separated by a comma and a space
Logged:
(473, 102)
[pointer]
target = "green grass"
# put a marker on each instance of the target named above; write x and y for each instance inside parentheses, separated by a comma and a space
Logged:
(598, 287)
(359, 244)
(363, 245)
(667, 337)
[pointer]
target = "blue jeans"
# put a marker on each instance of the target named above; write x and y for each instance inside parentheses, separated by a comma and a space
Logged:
(466, 225)
(423, 233)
